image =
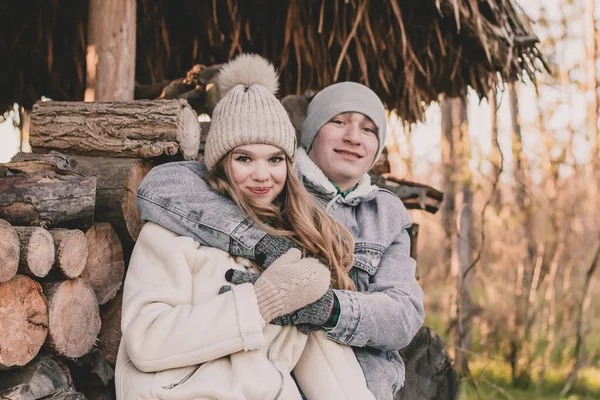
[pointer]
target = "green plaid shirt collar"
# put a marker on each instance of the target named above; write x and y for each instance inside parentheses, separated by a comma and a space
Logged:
(345, 192)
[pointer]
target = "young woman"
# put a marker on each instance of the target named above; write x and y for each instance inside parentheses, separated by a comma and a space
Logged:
(188, 333)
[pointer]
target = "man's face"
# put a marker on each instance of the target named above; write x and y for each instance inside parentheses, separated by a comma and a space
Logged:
(345, 148)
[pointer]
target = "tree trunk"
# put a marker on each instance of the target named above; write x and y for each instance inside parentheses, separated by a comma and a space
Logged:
(47, 198)
(144, 128)
(105, 268)
(23, 321)
(496, 156)
(110, 333)
(522, 203)
(9, 251)
(464, 237)
(592, 91)
(74, 318)
(448, 144)
(71, 249)
(110, 58)
(580, 332)
(116, 190)
(37, 251)
(40, 378)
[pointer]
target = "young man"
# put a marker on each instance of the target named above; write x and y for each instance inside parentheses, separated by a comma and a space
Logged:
(342, 137)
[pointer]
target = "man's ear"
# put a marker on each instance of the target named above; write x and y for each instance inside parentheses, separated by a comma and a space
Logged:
(296, 106)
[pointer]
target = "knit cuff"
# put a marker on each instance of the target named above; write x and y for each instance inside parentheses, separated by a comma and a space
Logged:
(335, 315)
(269, 300)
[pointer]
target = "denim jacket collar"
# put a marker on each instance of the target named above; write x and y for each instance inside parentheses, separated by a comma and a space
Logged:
(315, 180)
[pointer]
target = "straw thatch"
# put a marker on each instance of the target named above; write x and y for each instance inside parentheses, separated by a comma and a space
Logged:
(408, 51)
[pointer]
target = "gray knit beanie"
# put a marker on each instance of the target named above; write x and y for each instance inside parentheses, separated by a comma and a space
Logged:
(339, 98)
(248, 112)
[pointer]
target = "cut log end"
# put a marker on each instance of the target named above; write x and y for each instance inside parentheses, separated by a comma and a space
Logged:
(71, 251)
(9, 251)
(189, 136)
(37, 251)
(23, 321)
(73, 317)
(105, 267)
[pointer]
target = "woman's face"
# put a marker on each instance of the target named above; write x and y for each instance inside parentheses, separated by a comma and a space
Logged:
(258, 171)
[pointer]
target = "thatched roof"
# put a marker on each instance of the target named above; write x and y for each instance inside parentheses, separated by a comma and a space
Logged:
(409, 52)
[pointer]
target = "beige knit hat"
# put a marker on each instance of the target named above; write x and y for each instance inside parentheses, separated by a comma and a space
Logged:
(248, 112)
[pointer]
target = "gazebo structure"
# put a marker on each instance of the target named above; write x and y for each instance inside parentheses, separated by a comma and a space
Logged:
(409, 52)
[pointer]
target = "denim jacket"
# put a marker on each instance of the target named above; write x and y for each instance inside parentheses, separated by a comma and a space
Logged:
(377, 320)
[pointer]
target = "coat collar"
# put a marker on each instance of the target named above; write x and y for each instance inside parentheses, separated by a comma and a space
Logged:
(315, 180)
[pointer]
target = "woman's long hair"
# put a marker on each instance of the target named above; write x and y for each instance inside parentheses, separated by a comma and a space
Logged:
(296, 215)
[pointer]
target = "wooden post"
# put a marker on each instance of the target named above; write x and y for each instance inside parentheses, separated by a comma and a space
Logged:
(110, 55)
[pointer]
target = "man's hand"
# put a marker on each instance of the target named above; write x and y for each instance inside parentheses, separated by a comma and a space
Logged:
(311, 317)
(270, 248)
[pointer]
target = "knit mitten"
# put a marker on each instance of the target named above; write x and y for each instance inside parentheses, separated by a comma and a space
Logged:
(269, 248)
(309, 318)
(290, 283)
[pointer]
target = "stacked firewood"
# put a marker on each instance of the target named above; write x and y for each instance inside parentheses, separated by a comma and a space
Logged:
(68, 223)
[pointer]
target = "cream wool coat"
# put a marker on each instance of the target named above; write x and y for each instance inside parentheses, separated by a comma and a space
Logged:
(182, 340)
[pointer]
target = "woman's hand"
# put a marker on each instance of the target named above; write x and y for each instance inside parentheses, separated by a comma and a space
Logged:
(289, 284)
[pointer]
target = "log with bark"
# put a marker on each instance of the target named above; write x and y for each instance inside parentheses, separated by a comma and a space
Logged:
(105, 268)
(91, 371)
(116, 187)
(38, 194)
(23, 321)
(144, 128)
(71, 248)
(110, 332)
(67, 394)
(43, 377)
(116, 190)
(73, 317)
(382, 165)
(198, 88)
(9, 251)
(415, 196)
(37, 253)
(429, 369)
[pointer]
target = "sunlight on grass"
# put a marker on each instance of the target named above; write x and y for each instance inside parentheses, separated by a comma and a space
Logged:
(492, 381)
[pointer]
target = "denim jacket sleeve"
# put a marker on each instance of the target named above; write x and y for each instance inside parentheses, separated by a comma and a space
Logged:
(176, 196)
(390, 314)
